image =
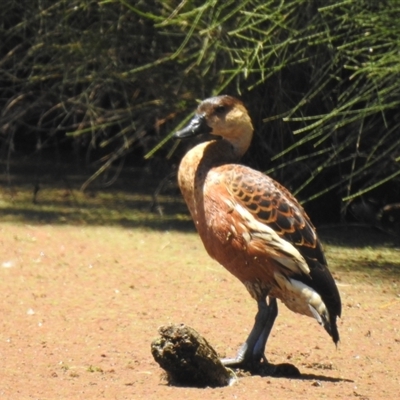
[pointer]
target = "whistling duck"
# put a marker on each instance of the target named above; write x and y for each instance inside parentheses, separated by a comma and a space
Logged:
(253, 226)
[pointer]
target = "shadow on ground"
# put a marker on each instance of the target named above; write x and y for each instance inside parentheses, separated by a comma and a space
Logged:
(50, 195)
(53, 196)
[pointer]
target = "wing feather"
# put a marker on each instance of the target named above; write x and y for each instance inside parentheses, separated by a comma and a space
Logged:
(273, 206)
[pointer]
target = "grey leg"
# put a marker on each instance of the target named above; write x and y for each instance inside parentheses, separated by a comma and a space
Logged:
(252, 351)
(259, 347)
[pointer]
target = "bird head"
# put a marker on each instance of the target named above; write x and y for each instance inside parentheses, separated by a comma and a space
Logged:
(221, 117)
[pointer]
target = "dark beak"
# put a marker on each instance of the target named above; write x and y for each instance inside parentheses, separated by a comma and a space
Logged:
(196, 126)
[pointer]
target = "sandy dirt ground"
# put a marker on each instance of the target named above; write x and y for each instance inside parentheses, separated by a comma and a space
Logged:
(81, 304)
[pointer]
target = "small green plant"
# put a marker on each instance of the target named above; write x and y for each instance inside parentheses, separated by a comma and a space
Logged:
(93, 368)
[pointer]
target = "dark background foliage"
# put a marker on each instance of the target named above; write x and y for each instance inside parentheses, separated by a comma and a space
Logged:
(102, 83)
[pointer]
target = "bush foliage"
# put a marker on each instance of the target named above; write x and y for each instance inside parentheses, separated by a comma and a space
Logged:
(108, 79)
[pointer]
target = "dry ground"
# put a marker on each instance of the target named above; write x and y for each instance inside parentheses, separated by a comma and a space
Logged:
(82, 302)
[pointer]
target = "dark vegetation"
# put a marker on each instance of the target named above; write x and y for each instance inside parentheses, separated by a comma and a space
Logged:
(100, 84)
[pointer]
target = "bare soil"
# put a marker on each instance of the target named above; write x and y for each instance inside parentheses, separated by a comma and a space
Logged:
(81, 305)
(82, 302)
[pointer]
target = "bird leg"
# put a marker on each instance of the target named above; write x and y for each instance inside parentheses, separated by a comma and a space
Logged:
(251, 352)
(259, 347)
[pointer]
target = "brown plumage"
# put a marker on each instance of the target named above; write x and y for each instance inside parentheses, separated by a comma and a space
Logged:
(253, 226)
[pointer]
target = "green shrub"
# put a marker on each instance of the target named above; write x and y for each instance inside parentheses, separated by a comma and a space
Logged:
(320, 79)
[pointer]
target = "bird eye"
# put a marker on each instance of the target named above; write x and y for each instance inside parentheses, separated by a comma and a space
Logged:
(220, 109)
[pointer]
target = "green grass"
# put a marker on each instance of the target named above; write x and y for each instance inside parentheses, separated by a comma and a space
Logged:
(363, 252)
(129, 203)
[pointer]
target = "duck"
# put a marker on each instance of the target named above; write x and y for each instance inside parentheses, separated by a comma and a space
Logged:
(254, 227)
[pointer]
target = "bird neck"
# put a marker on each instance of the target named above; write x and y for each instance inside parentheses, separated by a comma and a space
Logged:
(211, 154)
(238, 134)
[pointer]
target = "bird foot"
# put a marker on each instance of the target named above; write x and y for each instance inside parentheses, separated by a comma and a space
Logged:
(263, 368)
(284, 370)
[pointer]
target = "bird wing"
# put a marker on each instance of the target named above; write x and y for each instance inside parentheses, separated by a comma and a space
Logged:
(275, 211)
(274, 206)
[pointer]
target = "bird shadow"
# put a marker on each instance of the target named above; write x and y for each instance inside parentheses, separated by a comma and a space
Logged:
(289, 371)
(322, 378)
(306, 377)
